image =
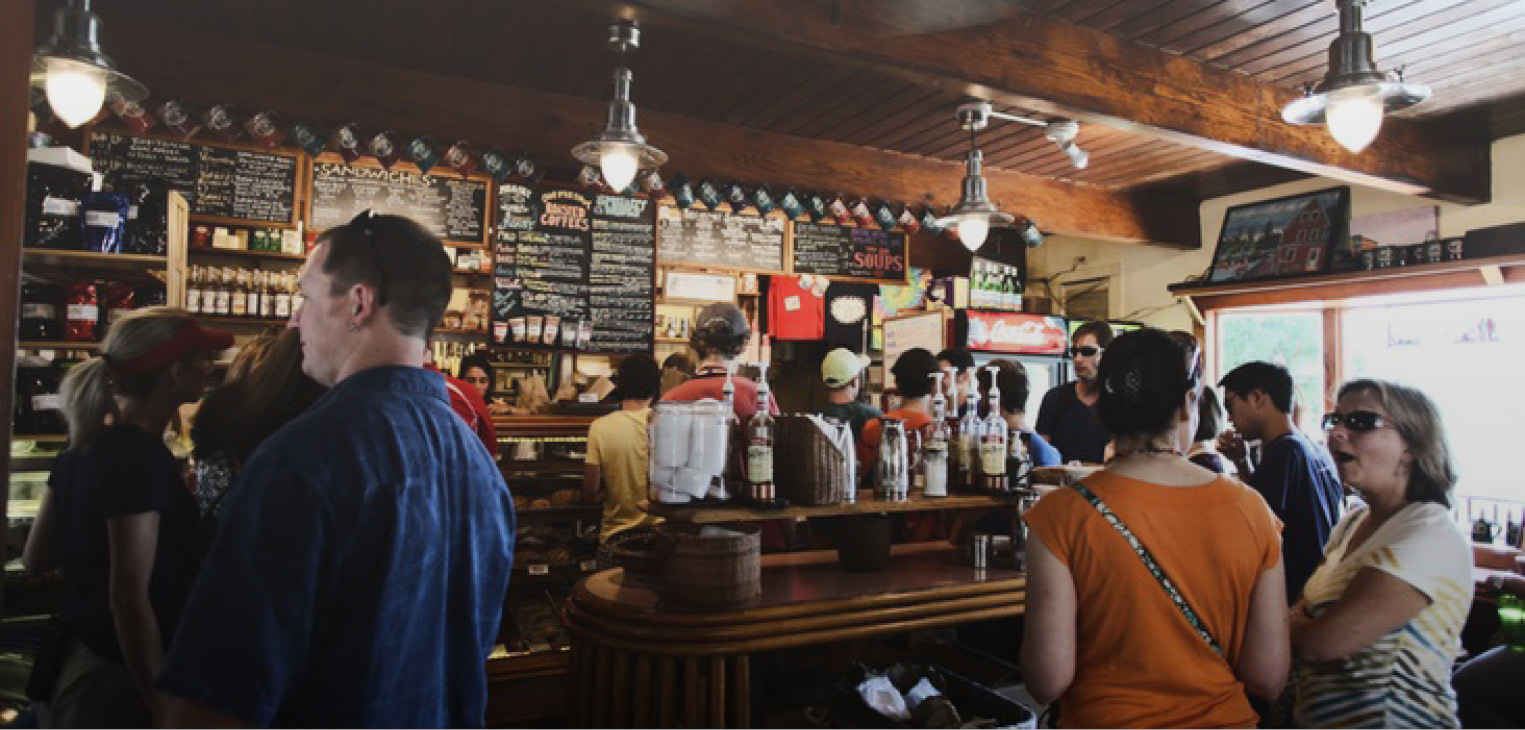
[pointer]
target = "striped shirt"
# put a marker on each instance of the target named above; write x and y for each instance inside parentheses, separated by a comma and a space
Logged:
(1403, 680)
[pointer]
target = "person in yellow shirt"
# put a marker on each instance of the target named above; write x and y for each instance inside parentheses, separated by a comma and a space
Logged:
(617, 453)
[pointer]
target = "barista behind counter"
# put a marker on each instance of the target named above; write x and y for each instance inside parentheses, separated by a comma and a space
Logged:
(720, 334)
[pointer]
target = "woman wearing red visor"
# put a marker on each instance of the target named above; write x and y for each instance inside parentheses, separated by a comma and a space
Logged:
(117, 518)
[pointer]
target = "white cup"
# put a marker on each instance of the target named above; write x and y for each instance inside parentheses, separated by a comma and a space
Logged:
(670, 437)
(691, 482)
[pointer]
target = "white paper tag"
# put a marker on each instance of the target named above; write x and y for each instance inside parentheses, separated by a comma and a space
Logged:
(791, 304)
(541, 569)
(102, 218)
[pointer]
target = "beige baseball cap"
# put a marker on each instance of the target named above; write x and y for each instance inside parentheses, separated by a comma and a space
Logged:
(840, 367)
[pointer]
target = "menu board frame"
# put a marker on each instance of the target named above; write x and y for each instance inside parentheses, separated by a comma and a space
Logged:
(490, 203)
(784, 244)
(793, 270)
(301, 185)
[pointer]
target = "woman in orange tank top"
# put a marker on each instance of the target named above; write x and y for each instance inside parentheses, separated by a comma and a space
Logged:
(1173, 624)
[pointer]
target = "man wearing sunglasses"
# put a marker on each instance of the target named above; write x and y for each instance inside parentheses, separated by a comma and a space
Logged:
(1295, 474)
(1067, 419)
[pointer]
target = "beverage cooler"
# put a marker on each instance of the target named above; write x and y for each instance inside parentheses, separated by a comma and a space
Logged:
(1039, 342)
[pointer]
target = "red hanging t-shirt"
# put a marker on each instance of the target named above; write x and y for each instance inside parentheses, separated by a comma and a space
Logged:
(797, 307)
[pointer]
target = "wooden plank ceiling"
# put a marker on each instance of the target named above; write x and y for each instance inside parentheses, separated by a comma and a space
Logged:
(712, 60)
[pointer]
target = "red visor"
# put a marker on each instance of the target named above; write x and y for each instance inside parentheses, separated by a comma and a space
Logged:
(191, 338)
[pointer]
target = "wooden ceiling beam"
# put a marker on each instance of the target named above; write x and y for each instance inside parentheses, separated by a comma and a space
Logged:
(1058, 68)
(335, 89)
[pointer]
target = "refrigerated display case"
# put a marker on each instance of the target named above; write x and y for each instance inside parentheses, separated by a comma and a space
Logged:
(1039, 342)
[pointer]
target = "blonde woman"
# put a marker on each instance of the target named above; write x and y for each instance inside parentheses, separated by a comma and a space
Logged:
(1380, 620)
(117, 517)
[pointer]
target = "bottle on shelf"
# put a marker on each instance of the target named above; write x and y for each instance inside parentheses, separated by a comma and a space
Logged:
(759, 440)
(993, 440)
(256, 294)
(950, 385)
(969, 430)
(193, 291)
(222, 294)
(934, 460)
(239, 303)
(267, 295)
(283, 301)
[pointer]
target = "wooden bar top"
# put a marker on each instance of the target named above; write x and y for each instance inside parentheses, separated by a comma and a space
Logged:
(806, 599)
(866, 505)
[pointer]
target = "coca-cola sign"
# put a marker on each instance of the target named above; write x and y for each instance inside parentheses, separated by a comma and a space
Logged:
(1027, 334)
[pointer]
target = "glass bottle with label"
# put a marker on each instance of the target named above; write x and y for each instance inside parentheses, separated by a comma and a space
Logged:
(193, 291)
(993, 440)
(969, 430)
(950, 386)
(934, 458)
(267, 296)
(283, 297)
(240, 302)
(759, 439)
(256, 293)
(222, 296)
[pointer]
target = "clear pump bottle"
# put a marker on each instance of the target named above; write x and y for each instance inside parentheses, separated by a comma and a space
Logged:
(993, 440)
(934, 458)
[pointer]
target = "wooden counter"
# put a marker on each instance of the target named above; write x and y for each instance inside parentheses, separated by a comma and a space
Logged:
(637, 662)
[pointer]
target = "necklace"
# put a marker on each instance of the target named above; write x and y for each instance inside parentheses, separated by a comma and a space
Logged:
(1148, 450)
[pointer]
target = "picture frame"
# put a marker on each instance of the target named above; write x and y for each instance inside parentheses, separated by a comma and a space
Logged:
(1284, 237)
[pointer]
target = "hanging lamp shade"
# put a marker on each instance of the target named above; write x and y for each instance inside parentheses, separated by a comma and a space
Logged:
(620, 151)
(75, 73)
(1354, 94)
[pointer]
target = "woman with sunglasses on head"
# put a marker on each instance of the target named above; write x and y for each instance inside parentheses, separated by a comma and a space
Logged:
(118, 519)
(1380, 619)
(1155, 595)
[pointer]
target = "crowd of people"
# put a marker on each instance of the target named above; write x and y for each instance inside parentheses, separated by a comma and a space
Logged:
(342, 557)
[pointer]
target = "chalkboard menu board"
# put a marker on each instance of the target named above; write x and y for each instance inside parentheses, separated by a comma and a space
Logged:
(871, 254)
(720, 240)
(585, 263)
(452, 208)
(217, 181)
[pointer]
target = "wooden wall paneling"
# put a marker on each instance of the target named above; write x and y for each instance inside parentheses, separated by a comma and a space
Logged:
(912, 104)
(703, 65)
(1406, 43)
(711, 104)
(1313, 40)
(1142, 27)
(1108, 19)
(1291, 18)
(786, 73)
(1050, 66)
(818, 88)
(870, 106)
(1209, 21)
(857, 92)
(16, 21)
(1334, 354)
(549, 125)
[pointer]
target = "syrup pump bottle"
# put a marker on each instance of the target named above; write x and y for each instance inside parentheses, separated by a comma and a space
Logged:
(969, 430)
(993, 440)
(759, 440)
(949, 382)
(934, 458)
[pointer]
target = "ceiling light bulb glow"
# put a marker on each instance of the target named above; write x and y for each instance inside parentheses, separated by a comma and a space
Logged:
(75, 91)
(619, 165)
(972, 230)
(1354, 117)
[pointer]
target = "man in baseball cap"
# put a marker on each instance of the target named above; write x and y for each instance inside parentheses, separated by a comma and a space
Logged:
(841, 371)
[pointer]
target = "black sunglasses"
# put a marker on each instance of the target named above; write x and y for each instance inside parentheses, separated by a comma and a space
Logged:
(1084, 350)
(366, 223)
(1357, 421)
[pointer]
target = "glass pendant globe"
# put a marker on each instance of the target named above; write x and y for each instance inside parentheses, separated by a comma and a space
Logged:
(1354, 116)
(972, 230)
(75, 91)
(619, 164)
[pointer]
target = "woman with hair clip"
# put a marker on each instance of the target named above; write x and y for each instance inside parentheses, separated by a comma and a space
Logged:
(236, 418)
(1155, 595)
(117, 518)
(1380, 620)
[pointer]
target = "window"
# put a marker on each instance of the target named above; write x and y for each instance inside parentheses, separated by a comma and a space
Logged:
(1463, 354)
(1294, 340)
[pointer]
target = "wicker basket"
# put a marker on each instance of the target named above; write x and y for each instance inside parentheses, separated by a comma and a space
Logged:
(709, 572)
(809, 468)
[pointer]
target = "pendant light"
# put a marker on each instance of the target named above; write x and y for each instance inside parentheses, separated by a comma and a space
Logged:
(1354, 95)
(75, 73)
(974, 214)
(620, 151)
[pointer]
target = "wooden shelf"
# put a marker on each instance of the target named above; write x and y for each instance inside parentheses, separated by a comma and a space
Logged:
(93, 259)
(252, 321)
(243, 253)
(554, 465)
(725, 513)
(58, 345)
(42, 438)
(239, 222)
(443, 331)
(1491, 271)
(544, 425)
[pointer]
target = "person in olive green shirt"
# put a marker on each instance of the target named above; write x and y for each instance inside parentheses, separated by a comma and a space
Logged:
(842, 372)
(617, 453)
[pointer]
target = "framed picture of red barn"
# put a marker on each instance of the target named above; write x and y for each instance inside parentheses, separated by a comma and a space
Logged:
(1290, 236)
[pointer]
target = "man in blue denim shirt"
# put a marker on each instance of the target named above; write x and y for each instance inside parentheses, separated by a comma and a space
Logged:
(359, 570)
